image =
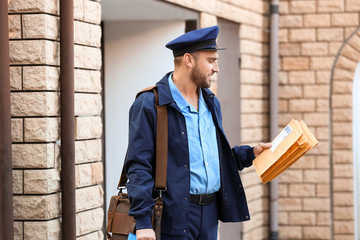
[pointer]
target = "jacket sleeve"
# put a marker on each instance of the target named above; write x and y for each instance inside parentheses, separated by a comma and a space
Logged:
(140, 157)
(244, 156)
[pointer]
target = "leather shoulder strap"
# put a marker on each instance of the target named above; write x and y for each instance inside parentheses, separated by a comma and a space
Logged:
(161, 143)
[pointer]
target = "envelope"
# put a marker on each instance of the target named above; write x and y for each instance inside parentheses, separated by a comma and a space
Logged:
(291, 144)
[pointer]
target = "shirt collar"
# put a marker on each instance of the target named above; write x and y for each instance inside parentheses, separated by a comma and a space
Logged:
(180, 100)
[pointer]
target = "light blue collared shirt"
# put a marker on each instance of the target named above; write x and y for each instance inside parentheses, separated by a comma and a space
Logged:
(203, 148)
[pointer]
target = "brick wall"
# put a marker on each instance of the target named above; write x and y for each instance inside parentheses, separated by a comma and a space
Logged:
(35, 96)
(311, 35)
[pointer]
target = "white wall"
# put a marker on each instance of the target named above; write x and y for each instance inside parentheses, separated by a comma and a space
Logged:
(134, 57)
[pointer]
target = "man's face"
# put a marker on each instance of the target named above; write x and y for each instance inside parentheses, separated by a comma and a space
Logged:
(205, 67)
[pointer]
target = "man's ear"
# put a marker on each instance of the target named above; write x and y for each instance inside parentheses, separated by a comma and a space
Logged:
(188, 60)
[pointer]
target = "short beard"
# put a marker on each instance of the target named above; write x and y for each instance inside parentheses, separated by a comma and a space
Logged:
(199, 79)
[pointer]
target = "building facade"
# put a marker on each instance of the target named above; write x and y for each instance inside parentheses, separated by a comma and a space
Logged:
(319, 53)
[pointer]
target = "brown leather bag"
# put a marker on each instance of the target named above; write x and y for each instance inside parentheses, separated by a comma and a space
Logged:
(120, 224)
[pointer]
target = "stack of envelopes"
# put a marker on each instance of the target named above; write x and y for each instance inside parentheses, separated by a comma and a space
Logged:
(291, 143)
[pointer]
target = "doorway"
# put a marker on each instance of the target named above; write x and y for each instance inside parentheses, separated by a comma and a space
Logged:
(134, 57)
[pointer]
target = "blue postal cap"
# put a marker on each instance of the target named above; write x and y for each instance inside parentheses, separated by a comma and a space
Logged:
(200, 39)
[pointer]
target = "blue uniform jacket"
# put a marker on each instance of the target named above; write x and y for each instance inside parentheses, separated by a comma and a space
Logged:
(140, 162)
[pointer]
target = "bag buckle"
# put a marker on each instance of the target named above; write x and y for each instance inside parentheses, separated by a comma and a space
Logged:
(160, 190)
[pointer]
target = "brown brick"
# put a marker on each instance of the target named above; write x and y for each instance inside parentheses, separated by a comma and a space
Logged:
(41, 78)
(253, 47)
(283, 35)
(343, 199)
(17, 181)
(302, 105)
(301, 35)
(343, 74)
(36, 207)
(302, 218)
(254, 106)
(322, 133)
(89, 197)
(321, 63)
(343, 213)
(40, 26)
(283, 218)
(334, 48)
(316, 176)
(48, 6)
(323, 77)
(42, 229)
(345, 227)
(316, 204)
(14, 26)
(247, 91)
(290, 21)
(301, 77)
(345, 19)
(289, 49)
(302, 6)
(343, 170)
(322, 105)
(316, 119)
(87, 81)
(290, 232)
(323, 218)
(254, 120)
(330, 34)
(317, 20)
(253, 33)
(342, 156)
(88, 151)
(88, 127)
(316, 91)
(287, 92)
(342, 128)
(342, 142)
(342, 114)
(352, 6)
(89, 221)
(312, 232)
(283, 77)
(283, 105)
(41, 181)
(291, 176)
(350, 53)
(16, 78)
(330, 5)
(17, 133)
(343, 184)
(18, 230)
(322, 190)
(290, 204)
(341, 100)
(254, 62)
(345, 63)
(342, 87)
(295, 63)
(41, 129)
(302, 190)
(314, 49)
(87, 104)
(33, 155)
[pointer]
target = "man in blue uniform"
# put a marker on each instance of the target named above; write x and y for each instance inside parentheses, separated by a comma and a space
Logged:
(203, 184)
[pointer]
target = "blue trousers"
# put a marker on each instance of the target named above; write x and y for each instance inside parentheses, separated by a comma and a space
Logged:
(203, 224)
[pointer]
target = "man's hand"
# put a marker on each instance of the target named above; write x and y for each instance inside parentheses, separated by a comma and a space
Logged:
(261, 147)
(145, 234)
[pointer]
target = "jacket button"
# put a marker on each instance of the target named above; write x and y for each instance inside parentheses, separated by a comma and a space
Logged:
(182, 133)
(184, 230)
(185, 165)
(186, 198)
